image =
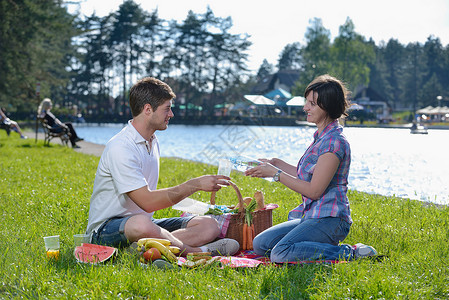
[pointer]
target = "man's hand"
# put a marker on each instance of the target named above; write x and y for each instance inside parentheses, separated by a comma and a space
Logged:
(210, 183)
(163, 198)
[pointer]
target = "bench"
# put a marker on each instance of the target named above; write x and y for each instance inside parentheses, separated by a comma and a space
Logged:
(50, 133)
(6, 127)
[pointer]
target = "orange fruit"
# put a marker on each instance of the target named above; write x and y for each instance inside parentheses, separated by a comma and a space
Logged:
(152, 254)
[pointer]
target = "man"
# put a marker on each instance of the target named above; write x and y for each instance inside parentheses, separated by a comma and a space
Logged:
(8, 123)
(125, 195)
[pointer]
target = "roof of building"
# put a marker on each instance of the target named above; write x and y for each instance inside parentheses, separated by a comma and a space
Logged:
(259, 100)
(278, 94)
(364, 91)
(284, 77)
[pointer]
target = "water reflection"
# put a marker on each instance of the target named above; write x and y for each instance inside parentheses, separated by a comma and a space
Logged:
(384, 161)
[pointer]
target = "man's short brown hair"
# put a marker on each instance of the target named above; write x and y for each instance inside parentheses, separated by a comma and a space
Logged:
(151, 91)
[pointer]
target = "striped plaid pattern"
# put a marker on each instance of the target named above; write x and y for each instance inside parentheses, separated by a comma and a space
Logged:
(223, 222)
(334, 201)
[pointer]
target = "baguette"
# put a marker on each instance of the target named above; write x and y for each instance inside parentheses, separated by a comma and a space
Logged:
(258, 196)
(196, 256)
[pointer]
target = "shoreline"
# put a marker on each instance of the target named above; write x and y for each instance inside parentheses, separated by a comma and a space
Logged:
(86, 147)
(97, 149)
(256, 121)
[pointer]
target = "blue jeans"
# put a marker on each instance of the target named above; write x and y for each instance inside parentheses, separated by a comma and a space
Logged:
(112, 231)
(304, 239)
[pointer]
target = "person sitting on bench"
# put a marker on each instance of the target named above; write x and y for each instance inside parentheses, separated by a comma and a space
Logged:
(44, 112)
(12, 124)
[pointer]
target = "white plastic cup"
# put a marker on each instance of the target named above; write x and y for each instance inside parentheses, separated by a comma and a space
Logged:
(224, 167)
(51, 242)
(78, 239)
(52, 246)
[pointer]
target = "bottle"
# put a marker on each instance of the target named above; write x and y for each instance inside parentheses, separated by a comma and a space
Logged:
(243, 163)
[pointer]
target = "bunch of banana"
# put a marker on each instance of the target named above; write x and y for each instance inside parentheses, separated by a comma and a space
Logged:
(162, 245)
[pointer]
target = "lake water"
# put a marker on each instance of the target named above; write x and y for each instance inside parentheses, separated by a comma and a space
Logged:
(385, 161)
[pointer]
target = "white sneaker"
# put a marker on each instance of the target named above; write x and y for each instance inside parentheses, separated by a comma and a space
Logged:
(223, 247)
(361, 250)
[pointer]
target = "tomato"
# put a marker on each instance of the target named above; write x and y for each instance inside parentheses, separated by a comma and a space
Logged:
(152, 254)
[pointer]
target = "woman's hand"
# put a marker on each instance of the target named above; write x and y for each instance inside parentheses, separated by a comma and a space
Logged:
(263, 170)
(282, 165)
(265, 160)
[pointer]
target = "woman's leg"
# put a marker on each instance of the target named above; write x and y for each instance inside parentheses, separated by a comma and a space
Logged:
(72, 130)
(266, 240)
(73, 136)
(313, 239)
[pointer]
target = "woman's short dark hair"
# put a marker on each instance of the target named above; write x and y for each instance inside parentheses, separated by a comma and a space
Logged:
(332, 95)
(151, 91)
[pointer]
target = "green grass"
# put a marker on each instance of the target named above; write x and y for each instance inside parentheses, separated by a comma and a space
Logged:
(46, 191)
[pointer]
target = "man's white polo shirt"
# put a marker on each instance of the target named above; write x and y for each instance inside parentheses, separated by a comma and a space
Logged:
(127, 164)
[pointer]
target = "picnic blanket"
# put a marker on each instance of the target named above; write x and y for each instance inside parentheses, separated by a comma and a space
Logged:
(249, 259)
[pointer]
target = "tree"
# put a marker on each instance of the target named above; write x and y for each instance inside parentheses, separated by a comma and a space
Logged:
(437, 75)
(430, 91)
(35, 46)
(413, 75)
(315, 54)
(125, 38)
(265, 70)
(351, 56)
(207, 56)
(394, 61)
(90, 86)
(190, 55)
(226, 54)
(377, 75)
(155, 37)
(290, 57)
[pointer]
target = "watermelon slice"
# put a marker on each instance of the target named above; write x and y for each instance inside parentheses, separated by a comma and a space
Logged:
(93, 254)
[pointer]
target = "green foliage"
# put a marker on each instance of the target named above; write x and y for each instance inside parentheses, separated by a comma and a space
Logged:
(290, 57)
(315, 55)
(265, 69)
(46, 191)
(85, 60)
(126, 39)
(351, 56)
(405, 76)
(35, 47)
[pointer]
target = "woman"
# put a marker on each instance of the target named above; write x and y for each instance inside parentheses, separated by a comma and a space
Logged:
(316, 227)
(57, 126)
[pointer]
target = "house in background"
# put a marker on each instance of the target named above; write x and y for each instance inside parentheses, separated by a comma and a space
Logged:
(272, 95)
(276, 102)
(284, 79)
(372, 103)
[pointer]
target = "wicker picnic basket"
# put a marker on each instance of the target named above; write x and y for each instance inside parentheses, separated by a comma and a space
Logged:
(262, 219)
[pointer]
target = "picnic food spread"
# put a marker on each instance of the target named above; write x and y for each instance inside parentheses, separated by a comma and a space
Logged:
(247, 206)
(151, 249)
(241, 222)
(92, 253)
(197, 259)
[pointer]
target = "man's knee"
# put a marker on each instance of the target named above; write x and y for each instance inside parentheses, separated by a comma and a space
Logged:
(140, 226)
(209, 225)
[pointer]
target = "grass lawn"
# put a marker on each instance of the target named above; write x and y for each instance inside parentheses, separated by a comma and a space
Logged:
(46, 191)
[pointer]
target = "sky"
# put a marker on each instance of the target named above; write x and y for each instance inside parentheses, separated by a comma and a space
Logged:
(274, 24)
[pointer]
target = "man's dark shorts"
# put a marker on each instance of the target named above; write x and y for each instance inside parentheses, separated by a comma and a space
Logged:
(112, 231)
